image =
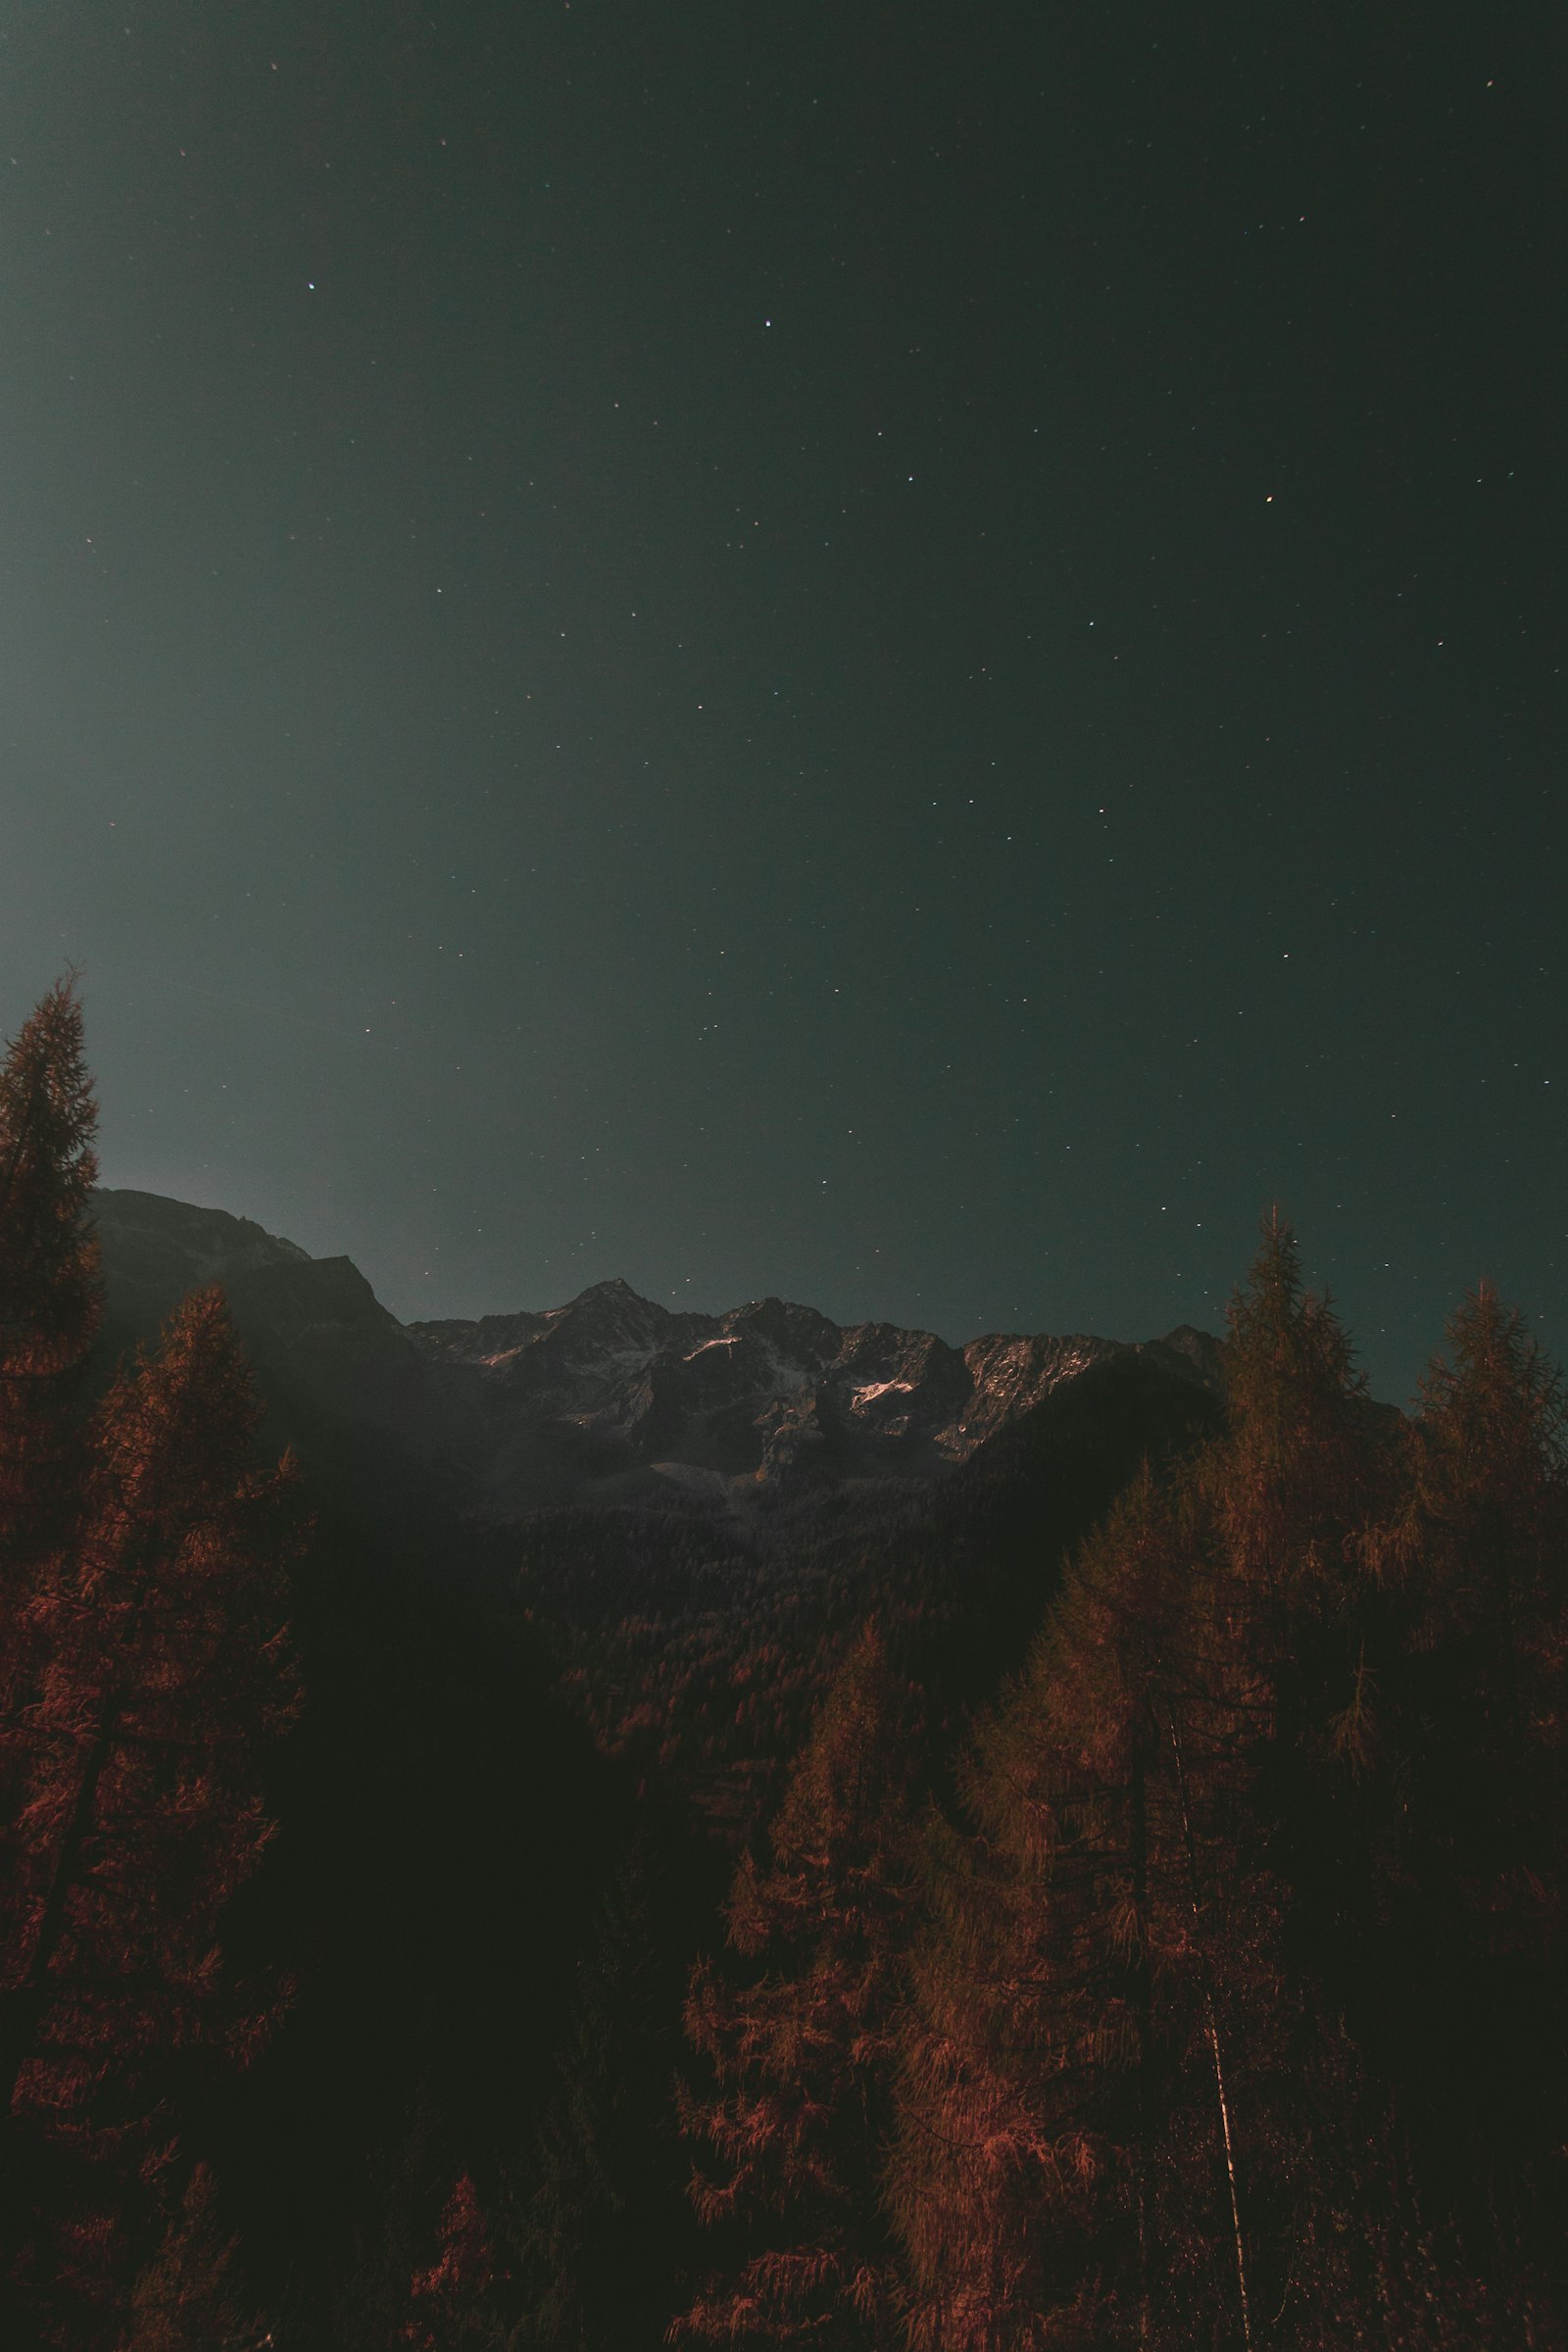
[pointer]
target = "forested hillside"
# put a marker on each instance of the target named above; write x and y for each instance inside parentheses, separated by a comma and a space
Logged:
(697, 1648)
(1110, 1896)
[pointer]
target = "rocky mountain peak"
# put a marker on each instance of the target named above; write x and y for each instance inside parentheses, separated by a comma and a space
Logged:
(610, 1395)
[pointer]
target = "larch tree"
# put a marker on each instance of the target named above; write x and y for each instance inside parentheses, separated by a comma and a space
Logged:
(1114, 2085)
(1272, 1737)
(166, 1673)
(449, 2299)
(1053, 2173)
(800, 2047)
(1290, 1489)
(1489, 1528)
(50, 1295)
(189, 2297)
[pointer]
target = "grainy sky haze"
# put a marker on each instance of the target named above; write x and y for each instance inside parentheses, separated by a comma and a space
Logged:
(910, 657)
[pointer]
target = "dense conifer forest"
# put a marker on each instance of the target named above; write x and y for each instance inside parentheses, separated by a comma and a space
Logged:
(1113, 1899)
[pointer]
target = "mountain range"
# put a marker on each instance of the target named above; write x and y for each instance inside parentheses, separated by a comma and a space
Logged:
(609, 1399)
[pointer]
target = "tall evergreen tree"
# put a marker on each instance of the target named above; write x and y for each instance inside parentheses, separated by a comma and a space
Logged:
(189, 2297)
(1488, 1525)
(1270, 1731)
(451, 2307)
(1104, 2111)
(167, 1672)
(1054, 2081)
(1291, 1488)
(50, 1289)
(800, 2052)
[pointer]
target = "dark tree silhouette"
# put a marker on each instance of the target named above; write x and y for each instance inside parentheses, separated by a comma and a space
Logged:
(1473, 1762)
(50, 1295)
(595, 2213)
(800, 2052)
(1108, 2034)
(449, 2299)
(189, 2297)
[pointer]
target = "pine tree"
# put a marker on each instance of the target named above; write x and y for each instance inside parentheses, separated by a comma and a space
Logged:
(1273, 1737)
(1053, 2082)
(1490, 1522)
(1292, 1483)
(800, 2052)
(1286, 1635)
(189, 2298)
(451, 2302)
(165, 1674)
(50, 1291)
(1115, 2063)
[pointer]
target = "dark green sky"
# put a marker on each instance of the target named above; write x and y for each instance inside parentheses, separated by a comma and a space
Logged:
(901, 654)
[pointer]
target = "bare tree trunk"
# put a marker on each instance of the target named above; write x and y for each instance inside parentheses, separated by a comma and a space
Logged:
(1141, 2015)
(1211, 2023)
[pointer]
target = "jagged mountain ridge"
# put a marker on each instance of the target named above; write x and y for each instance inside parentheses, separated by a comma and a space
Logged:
(610, 1397)
(764, 1394)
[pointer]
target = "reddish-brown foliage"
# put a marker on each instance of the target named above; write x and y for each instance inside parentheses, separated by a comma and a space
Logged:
(799, 2053)
(159, 1671)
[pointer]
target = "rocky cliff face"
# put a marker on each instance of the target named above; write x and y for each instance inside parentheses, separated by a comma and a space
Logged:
(610, 1397)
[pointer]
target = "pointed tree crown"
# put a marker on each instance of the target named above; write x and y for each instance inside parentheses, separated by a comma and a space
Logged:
(50, 1299)
(175, 1431)
(1493, 1398)
(845, 1811)
(1290, 1483)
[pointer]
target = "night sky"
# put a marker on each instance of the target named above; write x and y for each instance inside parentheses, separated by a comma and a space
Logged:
(904, 656)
